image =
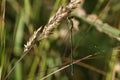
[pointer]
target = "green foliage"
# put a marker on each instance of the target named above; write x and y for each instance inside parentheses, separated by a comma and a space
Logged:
(23, 17)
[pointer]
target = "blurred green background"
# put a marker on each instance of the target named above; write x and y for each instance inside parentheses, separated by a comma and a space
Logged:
(20, 18)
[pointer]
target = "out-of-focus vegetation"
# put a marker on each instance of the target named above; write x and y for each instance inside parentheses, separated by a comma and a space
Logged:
(98, 35)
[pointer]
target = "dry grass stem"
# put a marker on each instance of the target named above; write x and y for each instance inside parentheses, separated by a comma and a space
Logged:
(61, 14)
(98, 23)
(76, 61)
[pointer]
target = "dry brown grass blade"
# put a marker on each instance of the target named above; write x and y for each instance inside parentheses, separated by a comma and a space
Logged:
(2, 15)
(87, 66)
(61, 14)
(64, 67)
